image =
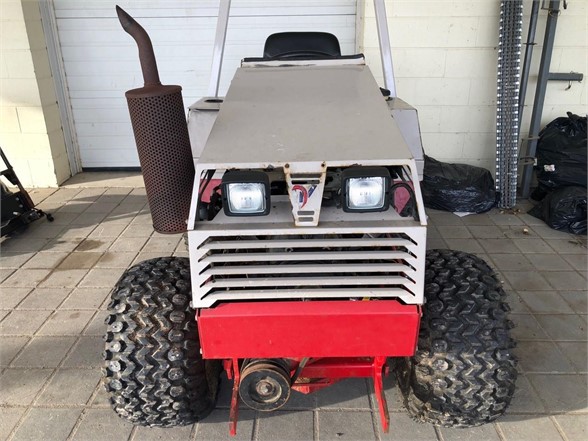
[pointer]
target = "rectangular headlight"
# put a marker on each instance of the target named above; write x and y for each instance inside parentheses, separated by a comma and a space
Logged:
(245, 193)
(365, 189)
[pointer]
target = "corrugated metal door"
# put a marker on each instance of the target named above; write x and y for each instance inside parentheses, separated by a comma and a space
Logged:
(101, 60)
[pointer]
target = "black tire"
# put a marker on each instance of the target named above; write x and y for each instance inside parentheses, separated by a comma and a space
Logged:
(463, 373)
(153, 370)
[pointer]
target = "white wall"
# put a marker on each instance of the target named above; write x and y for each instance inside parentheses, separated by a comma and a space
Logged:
(30, 125)
(445, 58)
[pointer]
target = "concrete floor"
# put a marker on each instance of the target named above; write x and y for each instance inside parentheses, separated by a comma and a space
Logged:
(55, 282)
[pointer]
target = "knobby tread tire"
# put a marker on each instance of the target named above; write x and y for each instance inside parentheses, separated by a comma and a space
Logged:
(463, 373)
(153, 372)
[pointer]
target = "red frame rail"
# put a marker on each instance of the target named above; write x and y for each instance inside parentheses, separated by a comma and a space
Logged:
(337, 339)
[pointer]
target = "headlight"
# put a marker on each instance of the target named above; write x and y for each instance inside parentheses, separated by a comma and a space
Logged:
(365, 189)
(245, 193)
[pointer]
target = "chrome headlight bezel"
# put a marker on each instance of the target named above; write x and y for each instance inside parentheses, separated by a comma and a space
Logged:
(236, 177)
(358, 173)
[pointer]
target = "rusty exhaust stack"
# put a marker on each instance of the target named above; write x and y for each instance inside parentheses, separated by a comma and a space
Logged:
(161, 135)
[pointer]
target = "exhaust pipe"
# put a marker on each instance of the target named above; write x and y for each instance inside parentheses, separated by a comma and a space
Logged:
(161, 134)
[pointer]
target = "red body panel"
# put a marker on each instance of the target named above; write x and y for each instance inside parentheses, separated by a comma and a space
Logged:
(309, 329)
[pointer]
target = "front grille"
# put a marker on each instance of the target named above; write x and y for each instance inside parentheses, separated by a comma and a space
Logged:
(295, 266)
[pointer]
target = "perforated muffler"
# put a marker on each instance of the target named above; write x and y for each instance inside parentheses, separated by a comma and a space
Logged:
(161, 135)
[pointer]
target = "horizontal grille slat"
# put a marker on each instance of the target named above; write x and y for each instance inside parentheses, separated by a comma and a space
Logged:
(295, 269)
(307, 281)
(303, 243)
(335, 255)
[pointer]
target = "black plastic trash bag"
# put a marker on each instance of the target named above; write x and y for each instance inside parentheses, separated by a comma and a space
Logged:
(562, 152)
(564, 209)
(457, 187)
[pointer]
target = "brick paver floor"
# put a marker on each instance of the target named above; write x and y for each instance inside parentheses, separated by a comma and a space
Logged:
(55, 282)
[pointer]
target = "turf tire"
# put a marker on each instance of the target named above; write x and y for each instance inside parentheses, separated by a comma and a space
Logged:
(153, 372)
(463, 373)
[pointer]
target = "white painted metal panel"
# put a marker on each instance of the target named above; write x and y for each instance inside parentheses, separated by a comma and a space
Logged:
(101, 60)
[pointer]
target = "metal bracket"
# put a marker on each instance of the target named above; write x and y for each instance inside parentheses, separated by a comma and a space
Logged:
(562, 76)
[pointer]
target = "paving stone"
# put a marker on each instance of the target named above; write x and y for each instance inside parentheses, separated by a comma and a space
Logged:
(106, 278)
(23, 322)
(299, 401)
(101, 399)
(47, 424)
(578, 261)
(24, 278)
(497, 246)
(439, 218)
(576, 352)
(107, 229)
(46, 259)
(44, 352)
(79, 260)
(516, 303)
(574, 426)
(45, 298)
(518, 232)
(9, 347)
(403, 428)
(525, 399)
(511, 262)
(102, 424)
(86, 354)
(71, 387)
(561, 393)
(477, 219)
(10, 297)
(76, 207)
(534, 245)
(5, 273)
(96, 245)
(141, 257)
(433, 232)
(454, 232)
(86, 298)
(163, 434)
(63, 217)
(548, 262)
(578, 300)
(162, 244)
(505, 219)
(61, 278)
(545, 302)
(128, 244)
(137, 230)
(13, 260)
(527, 328)
(20, 243)
(467, 245)
(566, 246)
(486, 232)
(9, 416)
(526, 281)
(97, 326)
(286, 425)
(563, 327)
(215, 427)
(20, 386)
(569, 280)
(44, 230)
(392, 393)
(87, 218)
(433, 244)
(542, 428)
(66, 323)
(542, 356)
(101, 207)
(547, 232)
(62, 244)
(345, 426)
(346, 394)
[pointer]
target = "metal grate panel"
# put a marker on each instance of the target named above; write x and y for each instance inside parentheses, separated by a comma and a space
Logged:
(303, 266)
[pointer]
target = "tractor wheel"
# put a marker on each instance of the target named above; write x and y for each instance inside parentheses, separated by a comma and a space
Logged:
(463, 373)
(154, 373)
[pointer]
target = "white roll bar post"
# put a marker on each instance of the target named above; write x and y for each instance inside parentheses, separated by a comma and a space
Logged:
(224, 8)
(385, 51)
